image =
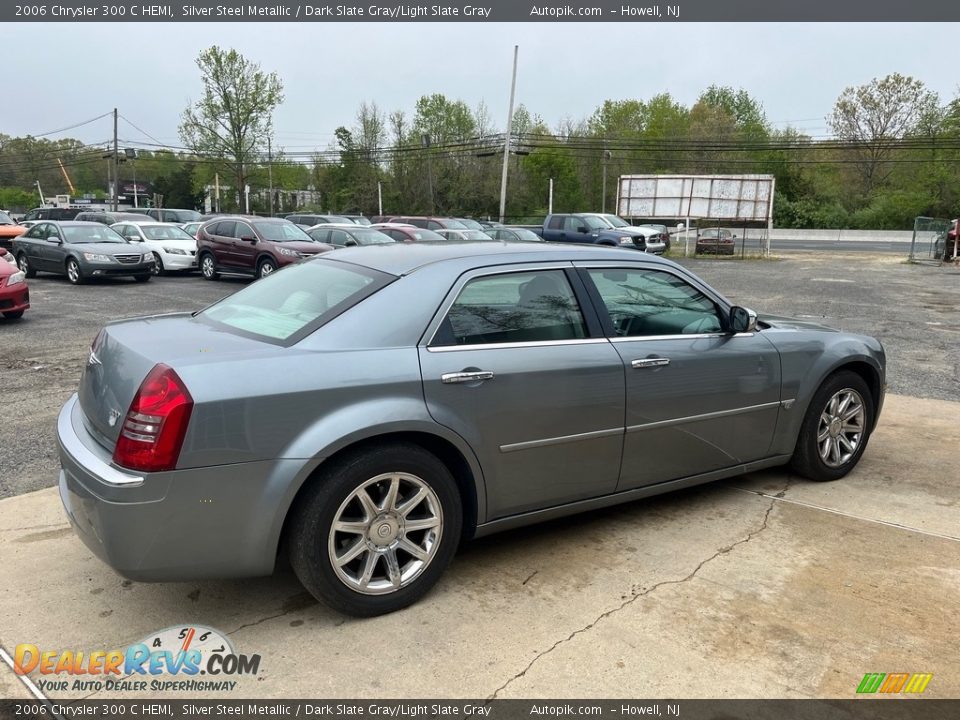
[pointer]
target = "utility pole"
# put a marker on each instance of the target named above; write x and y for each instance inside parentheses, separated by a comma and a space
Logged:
(270, 171)
(40, 193)
(116, 161)
(379, 198)
(216, 180)
(606, 156)
(550, 199)
(509, 132)
(425, 141)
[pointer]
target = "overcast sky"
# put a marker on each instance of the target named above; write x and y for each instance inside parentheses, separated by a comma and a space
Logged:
(66, 73)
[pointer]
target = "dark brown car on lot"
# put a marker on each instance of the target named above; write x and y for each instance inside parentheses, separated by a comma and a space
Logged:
(408, 233)
(430, 223)
(252, 246)
(716, 241)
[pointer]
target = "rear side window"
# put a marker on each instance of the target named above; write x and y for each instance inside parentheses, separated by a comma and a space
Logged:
(556, 222)
(513, 308)
(285, 307)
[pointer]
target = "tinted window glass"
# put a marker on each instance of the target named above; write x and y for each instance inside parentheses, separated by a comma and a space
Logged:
(652, 302)
(169, 232)
(427, 236)
(37, 231)
(320, 235)
(515, 307)
(223, 228)
(367, 236)
(297, 300)
(556, 222)
(78, 234)
(338, 237)
(280, 231)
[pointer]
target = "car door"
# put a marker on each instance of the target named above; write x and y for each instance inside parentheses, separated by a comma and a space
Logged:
(53, 251)
(513, 365)
(32, 243)
(243, 247)
(221, 236)
(699, 398)
(575, 230)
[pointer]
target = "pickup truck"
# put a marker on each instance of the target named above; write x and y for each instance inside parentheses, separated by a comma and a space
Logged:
(600, 229)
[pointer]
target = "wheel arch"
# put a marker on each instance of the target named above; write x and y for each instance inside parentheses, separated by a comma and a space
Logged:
(451, 450)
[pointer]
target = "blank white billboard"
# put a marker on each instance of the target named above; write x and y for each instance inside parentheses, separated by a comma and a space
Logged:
(717, 197)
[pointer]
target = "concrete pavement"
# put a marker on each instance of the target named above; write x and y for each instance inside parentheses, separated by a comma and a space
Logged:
(765, 585)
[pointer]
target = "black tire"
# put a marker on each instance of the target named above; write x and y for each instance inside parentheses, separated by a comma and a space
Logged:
(807, 460)
(208, 267)
(25, 265)
(13, 314)
(157, 264)
(310, 540)
(142, 278)
(266, 267)
(74, 273)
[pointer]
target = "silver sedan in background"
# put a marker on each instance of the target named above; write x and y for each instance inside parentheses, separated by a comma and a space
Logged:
(368, 409)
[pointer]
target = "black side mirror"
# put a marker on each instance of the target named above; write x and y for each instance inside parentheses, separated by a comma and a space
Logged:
(742, 320)
(350, 243)
(249, 239)
(582, 229)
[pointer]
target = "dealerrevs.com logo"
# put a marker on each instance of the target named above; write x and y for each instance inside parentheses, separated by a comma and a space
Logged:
(185, 652)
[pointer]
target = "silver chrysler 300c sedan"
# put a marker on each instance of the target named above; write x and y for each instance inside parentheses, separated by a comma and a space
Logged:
(366, 410)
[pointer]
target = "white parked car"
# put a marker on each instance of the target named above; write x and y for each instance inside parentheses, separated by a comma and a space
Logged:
(174, 249)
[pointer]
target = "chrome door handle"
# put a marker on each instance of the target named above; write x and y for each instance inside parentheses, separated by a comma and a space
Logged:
(466, 377)
(650, 362)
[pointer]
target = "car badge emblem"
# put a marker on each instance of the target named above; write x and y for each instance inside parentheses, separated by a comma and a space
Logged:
(93, 359)
(114, 416)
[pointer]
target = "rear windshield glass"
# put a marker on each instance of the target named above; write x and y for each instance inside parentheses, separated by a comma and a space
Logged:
(286, 306)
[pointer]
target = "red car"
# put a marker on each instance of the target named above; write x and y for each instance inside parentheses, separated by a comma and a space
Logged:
(252, 246)
(714, 240)
(403, 232)
(14, 295)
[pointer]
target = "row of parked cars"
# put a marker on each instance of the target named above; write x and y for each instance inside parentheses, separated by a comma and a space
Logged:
(83, 244)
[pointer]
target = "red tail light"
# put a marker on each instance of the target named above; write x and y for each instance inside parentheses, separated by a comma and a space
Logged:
(156, 423)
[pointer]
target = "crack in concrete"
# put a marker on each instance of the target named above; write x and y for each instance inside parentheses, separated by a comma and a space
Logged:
(263, 620)
(633, 598)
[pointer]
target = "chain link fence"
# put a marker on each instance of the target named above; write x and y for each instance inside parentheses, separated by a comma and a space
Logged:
(934, 240)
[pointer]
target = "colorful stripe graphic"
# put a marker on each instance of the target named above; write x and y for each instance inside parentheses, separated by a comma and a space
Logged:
(893, 683)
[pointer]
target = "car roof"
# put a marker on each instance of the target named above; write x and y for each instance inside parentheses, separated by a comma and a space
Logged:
(74, 223)
(146, 223)
(405, 258)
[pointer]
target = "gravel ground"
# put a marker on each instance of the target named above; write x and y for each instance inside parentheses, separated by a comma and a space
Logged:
(913, 309)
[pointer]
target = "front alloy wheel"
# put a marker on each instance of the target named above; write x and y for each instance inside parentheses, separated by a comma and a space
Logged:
(266, 267)
(157, 264)
(836, 428)
(73, 272)
(841, 428)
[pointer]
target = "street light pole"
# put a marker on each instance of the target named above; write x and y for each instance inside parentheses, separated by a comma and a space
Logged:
(509, 132)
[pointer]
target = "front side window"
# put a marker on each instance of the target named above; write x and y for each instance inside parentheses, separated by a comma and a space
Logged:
(643, 303)
(537, 306)
(280, 232)
(37, 231)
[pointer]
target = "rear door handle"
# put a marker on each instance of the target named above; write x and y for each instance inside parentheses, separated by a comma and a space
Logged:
(650, 362)
(466, 377)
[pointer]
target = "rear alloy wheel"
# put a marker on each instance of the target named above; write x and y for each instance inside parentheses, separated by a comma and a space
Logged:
(157, 264)
(266, 267)
(25, 265)
(374, 532)
(836, 429)
(208, 267)
(74, 274)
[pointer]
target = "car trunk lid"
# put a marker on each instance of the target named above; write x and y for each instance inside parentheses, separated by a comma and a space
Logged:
(124, 353)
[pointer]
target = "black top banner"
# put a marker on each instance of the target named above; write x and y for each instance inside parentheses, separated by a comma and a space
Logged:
(608, 11)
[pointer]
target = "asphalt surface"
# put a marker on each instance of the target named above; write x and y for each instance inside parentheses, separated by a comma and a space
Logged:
(913, 309)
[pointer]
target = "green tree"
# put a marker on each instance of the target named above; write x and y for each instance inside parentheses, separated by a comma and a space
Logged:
(876, 116)
(234, 118)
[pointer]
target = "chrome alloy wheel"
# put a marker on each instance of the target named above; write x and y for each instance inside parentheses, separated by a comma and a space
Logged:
(841, 427)
(385, 534)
